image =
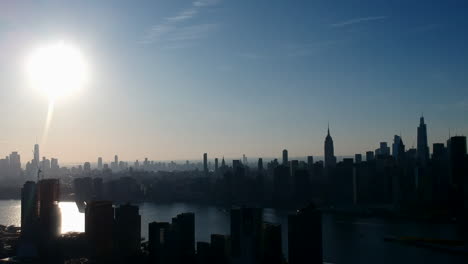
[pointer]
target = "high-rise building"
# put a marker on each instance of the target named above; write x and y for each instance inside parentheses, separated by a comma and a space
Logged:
(216, 165)
(422, 147)
(29, 209)
(310, 161)
(36, 155)
(99, 163)
(358, 158)
(246, 234)
(54, 166)
(271, 248)
(383, 150)
(457, 157)
(330, 159)
(184, 228)
(45, 165)
(99, 222)
(15, 164)
(158, 236)
(305, 236)
(294, 165)
(396, 147)
(369, 156)
(285, 157)
(260, 164)
(439, 152)
(49, 211)
(219, 249)
(128, 230)
(87, 167)
(205, 164)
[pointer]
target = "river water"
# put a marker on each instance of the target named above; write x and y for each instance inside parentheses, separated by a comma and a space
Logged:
(345, 239)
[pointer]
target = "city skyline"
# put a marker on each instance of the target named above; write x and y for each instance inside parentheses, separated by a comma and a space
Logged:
(235, 77)
(423, 155)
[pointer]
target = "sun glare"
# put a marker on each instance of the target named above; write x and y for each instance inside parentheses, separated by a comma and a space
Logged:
(57, 70)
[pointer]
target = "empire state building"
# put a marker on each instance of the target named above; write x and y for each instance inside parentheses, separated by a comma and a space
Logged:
(330, 159)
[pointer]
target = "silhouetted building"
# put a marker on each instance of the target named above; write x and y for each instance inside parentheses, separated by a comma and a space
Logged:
(219, 249)
(358, 158)
(128, 230)
(36, 161)
(87, 167)
(216, 165)
(205, 164)
(369, 156)
(281, 184)
(29, 209)
(260, 164)
(246, 234)
(49, 212)
(423, 149)
(99, 163)
(271, 249)
(158, 236)
(330, 159)
(383, 150)
(397, 147)
(458, 165)
(285, 157)
(305, 236)
(310, 162)
(439, 151)
(99, 223)
(183, 237)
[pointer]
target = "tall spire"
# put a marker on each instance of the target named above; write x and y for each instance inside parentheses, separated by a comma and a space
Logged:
(328, 130)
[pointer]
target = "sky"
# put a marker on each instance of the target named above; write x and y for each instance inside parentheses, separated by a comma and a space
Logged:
(170, 79)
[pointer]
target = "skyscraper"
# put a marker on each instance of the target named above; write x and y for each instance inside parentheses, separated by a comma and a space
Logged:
(285, 157)
(99, 163)
(422, 148)
(358, 158)
(457, 156)
(395, 146)
(29, 206)
(216, 165)
(305, 236)
(99, 223)
(49, 211)
(205, 163)
(128, 230)
(246, 234)
(15, 164)
(330, 159)
(36, 155)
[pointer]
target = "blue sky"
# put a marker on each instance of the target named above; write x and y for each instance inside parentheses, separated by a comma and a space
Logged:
(173, 79)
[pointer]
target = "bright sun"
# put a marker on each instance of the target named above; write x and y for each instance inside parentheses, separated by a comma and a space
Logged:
(57, 70)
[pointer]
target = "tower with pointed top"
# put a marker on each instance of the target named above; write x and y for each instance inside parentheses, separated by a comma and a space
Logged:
(330, 159)
(422, 147)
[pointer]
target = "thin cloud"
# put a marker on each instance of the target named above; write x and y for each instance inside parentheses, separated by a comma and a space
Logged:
(172, 29)
(357, 21)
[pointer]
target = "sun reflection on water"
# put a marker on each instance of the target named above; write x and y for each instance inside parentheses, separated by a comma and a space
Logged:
(72, 219)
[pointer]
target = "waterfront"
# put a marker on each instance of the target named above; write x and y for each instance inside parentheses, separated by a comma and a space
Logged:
(345, 239)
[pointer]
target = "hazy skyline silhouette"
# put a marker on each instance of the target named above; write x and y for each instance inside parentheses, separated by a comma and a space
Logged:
(236, 77)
